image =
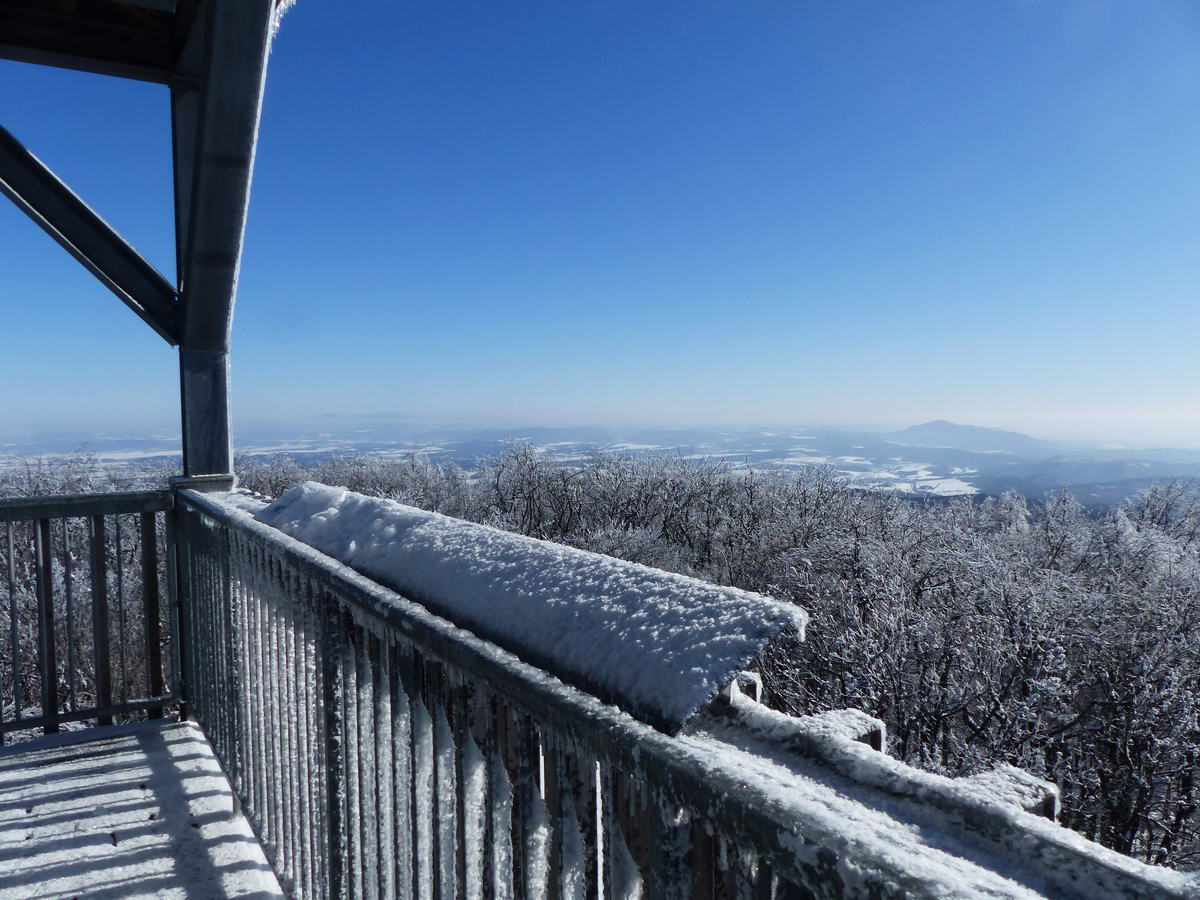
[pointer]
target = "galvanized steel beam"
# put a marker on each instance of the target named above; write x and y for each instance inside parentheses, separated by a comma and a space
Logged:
(127, 39)
(216, 102)
(41, 195)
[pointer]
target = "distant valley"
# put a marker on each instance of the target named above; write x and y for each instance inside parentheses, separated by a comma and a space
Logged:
(934, 459)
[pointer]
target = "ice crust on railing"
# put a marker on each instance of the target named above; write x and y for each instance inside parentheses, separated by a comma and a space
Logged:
(1016, 787)
(825, 812)
(656, 644)
(1003, 809)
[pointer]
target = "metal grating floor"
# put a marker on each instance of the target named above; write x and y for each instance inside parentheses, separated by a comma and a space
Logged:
(129, 811)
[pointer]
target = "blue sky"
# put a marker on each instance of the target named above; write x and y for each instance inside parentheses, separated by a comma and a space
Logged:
(695, 212)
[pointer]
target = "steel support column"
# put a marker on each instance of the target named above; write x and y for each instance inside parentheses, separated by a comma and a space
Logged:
(204, 396)
(216, 102)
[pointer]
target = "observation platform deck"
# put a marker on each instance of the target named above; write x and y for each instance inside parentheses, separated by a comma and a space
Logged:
(380, 750)
(137, 810)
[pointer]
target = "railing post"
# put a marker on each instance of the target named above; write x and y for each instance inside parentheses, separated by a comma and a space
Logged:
(47, 652)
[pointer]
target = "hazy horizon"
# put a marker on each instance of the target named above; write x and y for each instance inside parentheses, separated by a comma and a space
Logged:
(338, 423)
(846, 214)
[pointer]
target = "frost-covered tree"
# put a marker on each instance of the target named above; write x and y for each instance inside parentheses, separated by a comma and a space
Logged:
(1039, 634)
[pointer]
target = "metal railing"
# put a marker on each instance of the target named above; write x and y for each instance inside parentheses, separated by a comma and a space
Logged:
(381, 752)
(81, 588)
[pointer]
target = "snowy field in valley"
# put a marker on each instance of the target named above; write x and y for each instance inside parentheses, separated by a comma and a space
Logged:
(938, 459)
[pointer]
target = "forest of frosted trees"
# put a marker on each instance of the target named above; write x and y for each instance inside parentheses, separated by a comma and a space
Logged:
(1063, 641)
(1060, 641)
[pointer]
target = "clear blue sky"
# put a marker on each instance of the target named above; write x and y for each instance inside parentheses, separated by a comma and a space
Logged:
(676, 212)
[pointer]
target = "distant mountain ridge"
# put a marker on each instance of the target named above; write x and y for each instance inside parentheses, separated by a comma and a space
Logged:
(975, 438)
(934, 459)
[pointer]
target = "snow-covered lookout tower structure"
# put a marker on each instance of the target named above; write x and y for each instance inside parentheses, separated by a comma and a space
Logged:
(405, 705)
(212, 56)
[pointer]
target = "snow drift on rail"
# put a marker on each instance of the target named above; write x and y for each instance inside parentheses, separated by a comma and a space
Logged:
(658, 645)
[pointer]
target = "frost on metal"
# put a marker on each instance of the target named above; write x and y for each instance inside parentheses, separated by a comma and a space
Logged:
(658, 645)
(281, 7)
(1007, 844)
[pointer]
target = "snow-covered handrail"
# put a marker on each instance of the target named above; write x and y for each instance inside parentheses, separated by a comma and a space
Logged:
(658, 645)
(381, 750)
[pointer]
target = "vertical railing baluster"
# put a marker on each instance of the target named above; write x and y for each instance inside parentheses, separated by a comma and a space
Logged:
(272, 724)
(274, 710)
(474, 819)
(269, 706)
(262, 700)
(179, 560)
(530, 845)
(333, 690)
(172, 567)
(201, 666)
(235, 647)
(69, 589)
(313, 780)
(508, 805)
(622, 877)
(288, 722)
(150, 607)
(445, 781)
(552, 798)
(404, 815)
(583, 784)
(14, 626)
(268, 724)
(381, 715)
(364, 719)
(657, 836)
(322, 779)
(703, 860)
(239, 598)
(424, 808)
(572, 845)
(262, 697)
(568, 856)
(47, 647)
(454, 699)
(304, 773)
(287, 772)
(100, 644)
(121, 661)
(211, 677)
(354, 855)
(262, 655)
(277, 703)
(207, 657)
(214, 717)
(364, 743)
(255, 767)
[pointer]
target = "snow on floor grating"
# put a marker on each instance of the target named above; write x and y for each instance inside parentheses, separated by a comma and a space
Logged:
(132, 811)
